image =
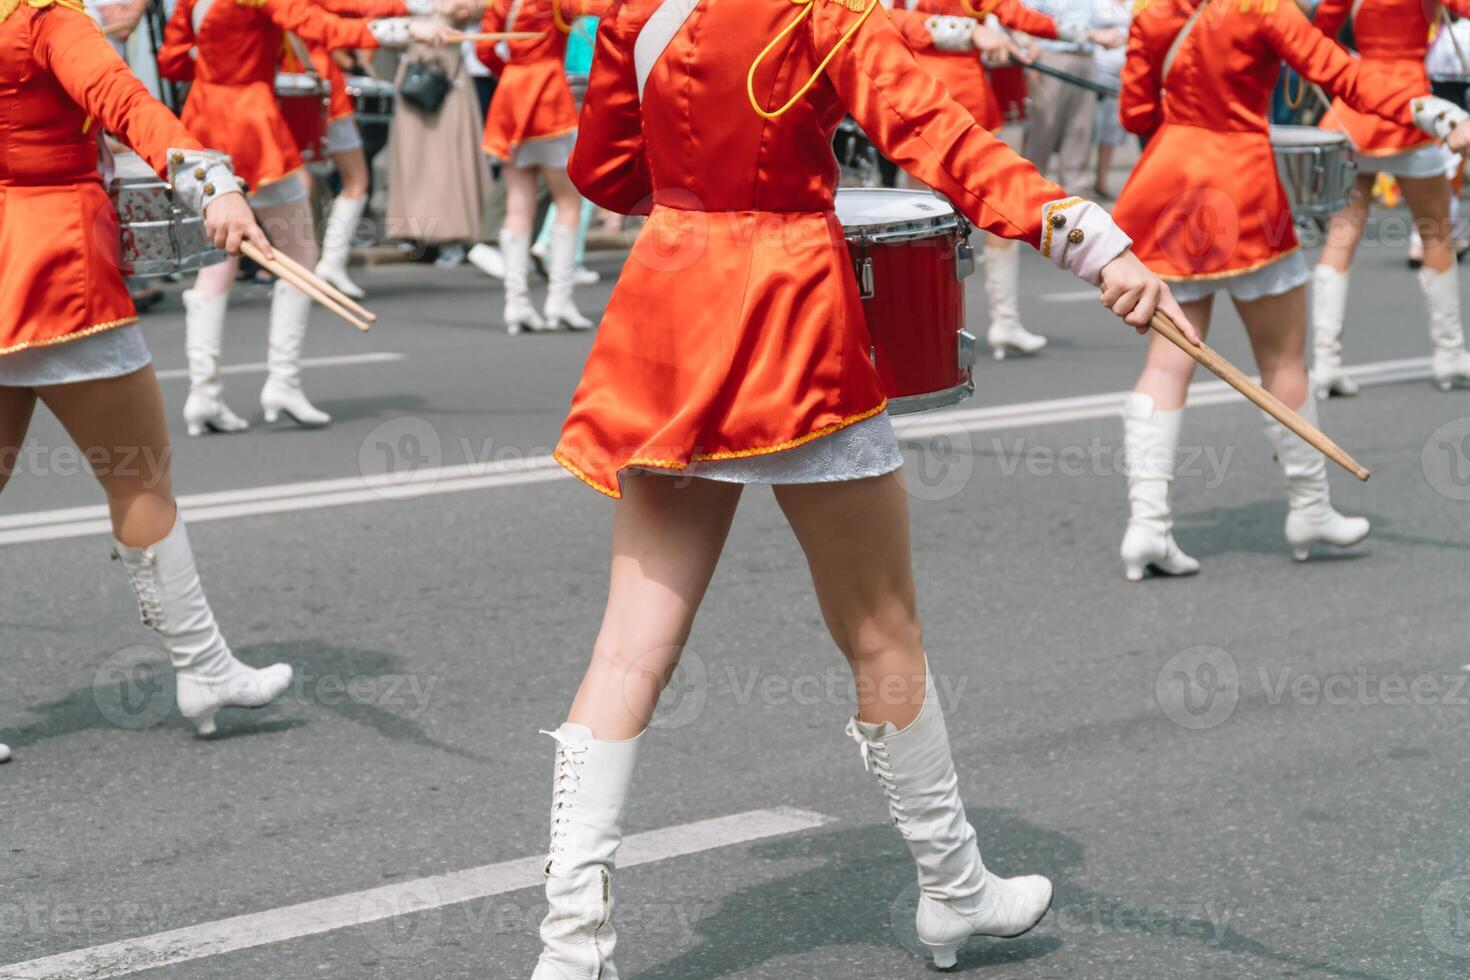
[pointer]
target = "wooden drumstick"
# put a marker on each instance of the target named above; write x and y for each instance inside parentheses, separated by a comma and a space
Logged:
(342, 298)
(500, 36)
(307, 283)
(1263, 399)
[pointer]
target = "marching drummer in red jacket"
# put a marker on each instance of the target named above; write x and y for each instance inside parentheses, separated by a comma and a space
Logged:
(1207, 211)
(229, 49)
(68, 331)
(734, 351)
(1393, 39)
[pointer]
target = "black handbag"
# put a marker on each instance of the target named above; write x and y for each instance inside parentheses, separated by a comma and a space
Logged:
(425, 86)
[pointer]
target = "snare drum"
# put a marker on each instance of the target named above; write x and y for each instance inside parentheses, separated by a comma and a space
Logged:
(911, 251)
(374, 98)
(159, 238)
(1317, 169)
(306, 102)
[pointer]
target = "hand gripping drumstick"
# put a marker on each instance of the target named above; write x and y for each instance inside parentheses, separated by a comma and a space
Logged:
(1264, 400)
(306, 282)
(362, 312)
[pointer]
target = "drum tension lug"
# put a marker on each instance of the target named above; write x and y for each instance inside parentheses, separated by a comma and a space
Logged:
(964, 260)
(865, 276)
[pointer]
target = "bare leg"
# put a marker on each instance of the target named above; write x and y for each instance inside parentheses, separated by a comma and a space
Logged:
(1428, 199)
(1277, 326)
(342, 219)
(1104, 169)
(1167, 369)
(1345, 229)
(667, 539)
(515, 244)
(119, 426)
(17, 405)
(520, 198)
(865, 586)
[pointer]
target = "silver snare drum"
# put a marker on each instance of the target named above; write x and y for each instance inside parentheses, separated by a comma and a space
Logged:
(159, 237)
(374, 99)
(1317, 169)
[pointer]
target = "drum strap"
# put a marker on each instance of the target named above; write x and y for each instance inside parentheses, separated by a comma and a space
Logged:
(303, 55)
(1183, 36)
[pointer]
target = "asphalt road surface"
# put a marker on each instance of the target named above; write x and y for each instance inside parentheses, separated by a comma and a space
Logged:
(1258, 772)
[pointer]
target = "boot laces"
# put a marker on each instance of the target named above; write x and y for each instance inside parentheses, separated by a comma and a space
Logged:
(144, 579)
(569, 760)
(877, 761)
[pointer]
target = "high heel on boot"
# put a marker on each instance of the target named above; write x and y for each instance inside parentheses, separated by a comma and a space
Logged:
(520, 315)
(1329, 308)
(1150, 441)
(1311, 518)
(204, 326)
(341, 224)
(561, 309)
(171, 602)
(1005, 334)
(1451, 362)
(958, 896)
(282, 393)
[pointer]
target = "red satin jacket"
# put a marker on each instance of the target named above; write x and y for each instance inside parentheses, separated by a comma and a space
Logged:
(1393, 39)
(962, 72)
(61, 84)
(736, 328)
(1205, 200)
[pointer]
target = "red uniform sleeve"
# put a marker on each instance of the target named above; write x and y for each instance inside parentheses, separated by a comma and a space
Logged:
(911, 24)
(1141, 104)
(1019, 17)
(1461, 7)
(71, 48)
(365, 8)
(493, 22)
(916, 124)
(1331, 15)
(175, 60)
(1322, 60)
(608, 164)
(316, 26)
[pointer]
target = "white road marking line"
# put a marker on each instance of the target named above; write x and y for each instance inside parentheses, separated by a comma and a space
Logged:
(389, 901)
(73, 522)
(259, 367)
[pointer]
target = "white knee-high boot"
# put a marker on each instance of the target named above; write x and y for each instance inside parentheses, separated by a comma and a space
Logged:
(589, 791)
(958, 897)
(342, 221)
(1150, 441)
(1311, 518)
(1451, 363)
(520, 315)
(1329, 308)
(1003, 291)
(204, 331)
(290, 312)
(172, 603)
(561, 308)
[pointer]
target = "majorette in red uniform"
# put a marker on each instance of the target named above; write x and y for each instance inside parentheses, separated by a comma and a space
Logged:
(734, 350)
(1393, 40)
(1207, 211)
(67, 333)
(229, 50)
(531, 126)
(343, 139)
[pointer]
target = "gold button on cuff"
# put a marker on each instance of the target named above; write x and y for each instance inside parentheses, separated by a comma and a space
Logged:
(209, 190)
(178, 159)
(1059, 221)
(1076, 237)
(199, 174)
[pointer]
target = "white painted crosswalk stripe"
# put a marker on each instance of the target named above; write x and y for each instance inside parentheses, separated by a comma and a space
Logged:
(390, 901)
(259, 367)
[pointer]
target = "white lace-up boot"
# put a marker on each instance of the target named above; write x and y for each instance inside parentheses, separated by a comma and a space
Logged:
(1150, 442)
(342, 222)
(958, 897)
(204, 332)
(172, 603)
(1451, 364)
(1329, 309)
(1003, 290)
(520, 315)
(561, 308)
(590, 788)
(290, 312)
(1311, 519)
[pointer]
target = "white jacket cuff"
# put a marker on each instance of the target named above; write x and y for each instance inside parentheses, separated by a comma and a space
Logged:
(420, 8)
(391, 32)
(951, 33)
(1081, 238)
(1437, 117)
(200, 176)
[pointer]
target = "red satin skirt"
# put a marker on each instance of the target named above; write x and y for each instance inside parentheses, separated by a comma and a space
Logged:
(245, 122)
(1373, 135)
(1192, 218)
(532, 102)
(60, 280)
(730, 334)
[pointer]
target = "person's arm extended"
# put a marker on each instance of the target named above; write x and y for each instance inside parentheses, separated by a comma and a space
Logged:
(608, 164)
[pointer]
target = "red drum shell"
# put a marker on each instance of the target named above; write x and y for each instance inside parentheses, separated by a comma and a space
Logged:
(913, 296)
(1009, 85)
(305, 107)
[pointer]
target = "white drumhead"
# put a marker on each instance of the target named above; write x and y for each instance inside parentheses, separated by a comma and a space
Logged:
(1286, 136)
(370, 86)
(877, 207)
(129, 168)
(288, 83)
